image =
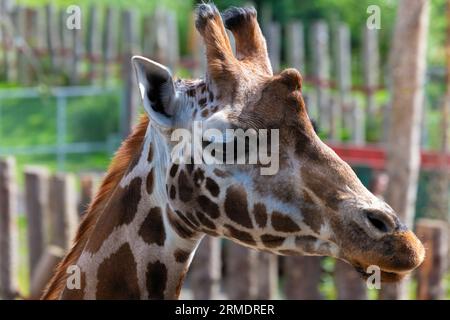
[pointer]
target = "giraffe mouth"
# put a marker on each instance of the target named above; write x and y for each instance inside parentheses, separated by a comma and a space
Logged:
(385, 276)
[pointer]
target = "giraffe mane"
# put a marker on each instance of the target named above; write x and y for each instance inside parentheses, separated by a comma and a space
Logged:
(129, 147)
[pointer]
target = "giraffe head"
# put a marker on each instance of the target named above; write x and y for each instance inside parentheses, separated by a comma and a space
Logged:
(312, 204)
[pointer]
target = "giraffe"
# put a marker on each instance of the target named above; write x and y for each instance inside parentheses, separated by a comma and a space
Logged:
(141, 230)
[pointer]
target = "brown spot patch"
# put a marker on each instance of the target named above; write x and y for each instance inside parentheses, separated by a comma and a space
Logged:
(282, 222)
(236, 206)
(191, 93)
(149, 182)
(199, 176)
(182, 230)
(212, 187)
(221, 173)
(205, 221)
(260, 214)
(289, 252)
(306, 243)
(190, 166)
(240, 235)
(117, 277)
(156, 280)
(311, 213)
(135, 161)
(184, 187)
(173, 170)
(75, 294)
(272, 241)
(150, 153)
(152, 229)
(211, 96)
(205, 113)
(120, 210)
(173, 192)
(130, 200)
(325, 191)
(181, 256)
(209, 207)
(202, 102)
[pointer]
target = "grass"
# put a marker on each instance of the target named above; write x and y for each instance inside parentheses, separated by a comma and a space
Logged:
(32, 122)
(29, 122)
(23, 271)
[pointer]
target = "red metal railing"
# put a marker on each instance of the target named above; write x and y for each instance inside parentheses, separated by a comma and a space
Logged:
(375, 157)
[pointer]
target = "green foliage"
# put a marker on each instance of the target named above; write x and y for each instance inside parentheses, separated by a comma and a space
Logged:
(93, 119)
(437, 30)
(327, 286)
(27, 122)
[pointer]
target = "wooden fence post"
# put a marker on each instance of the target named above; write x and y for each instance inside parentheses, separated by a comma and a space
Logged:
(63, 210)
(130, 103)
(302, 277)
(172, 34)
(205, 271)
(36, 206)
(241, 280)
(75, 53)
(88, 183)
(197, 49)
(93, 45)
(44, 270)
(342, 54)
(265, 14)
(22, 36)
(273, 35)
(267, 276)
(335, 117)
(109, 42)
(8, 229)
(349, 284)
(35, 43)
(12, 23)
(149, 37)
(321, 72)
(5, 38)
(52, 35)
(39, 38)
(430, 275)
(408, 61)
(296, 46)
(160, 40)
(64, 40)
(358, 123)
(370, 68)
(311, 105)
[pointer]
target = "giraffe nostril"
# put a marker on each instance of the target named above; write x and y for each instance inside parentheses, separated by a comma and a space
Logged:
(378, 221)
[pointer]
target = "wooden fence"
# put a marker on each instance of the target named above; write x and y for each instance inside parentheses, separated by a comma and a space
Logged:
(38, 48)
(52, 207)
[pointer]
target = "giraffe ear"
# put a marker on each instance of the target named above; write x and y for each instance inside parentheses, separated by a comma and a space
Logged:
(156, 88)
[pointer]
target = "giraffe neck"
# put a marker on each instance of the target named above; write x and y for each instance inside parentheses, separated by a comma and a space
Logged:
(139, 247)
